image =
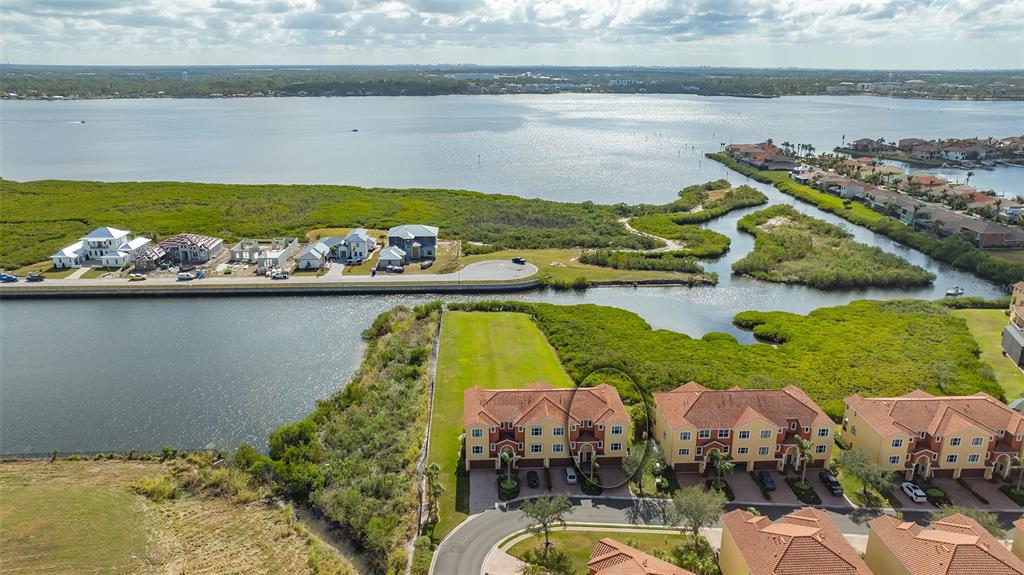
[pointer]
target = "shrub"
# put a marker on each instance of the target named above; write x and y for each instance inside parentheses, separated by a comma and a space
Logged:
(720, 486)
(159, 488)
(660, 261)
(804, 490)
(937, 497)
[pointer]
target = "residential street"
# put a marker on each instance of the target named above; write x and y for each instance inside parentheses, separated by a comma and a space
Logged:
(464, 550)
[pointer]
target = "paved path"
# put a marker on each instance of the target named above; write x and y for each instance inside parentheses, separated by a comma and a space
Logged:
(465, 549)
(491, 270)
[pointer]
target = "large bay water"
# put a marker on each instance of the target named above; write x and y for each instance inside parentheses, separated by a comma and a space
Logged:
(123, 374)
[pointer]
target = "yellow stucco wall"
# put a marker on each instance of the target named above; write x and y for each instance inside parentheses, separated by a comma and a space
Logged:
(730, 559)
(880, 559)
(860, 434)
(547, 440)
(1018, 543)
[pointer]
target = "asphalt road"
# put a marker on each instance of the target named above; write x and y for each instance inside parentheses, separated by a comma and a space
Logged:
(493, 270)
(465, 549)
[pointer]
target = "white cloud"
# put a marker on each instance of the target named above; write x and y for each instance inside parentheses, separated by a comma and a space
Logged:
(854, 33)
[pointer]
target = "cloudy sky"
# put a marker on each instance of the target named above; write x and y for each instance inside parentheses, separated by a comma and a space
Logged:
(805, 33)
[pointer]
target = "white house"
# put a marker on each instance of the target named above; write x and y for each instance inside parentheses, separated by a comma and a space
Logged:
(266, 254)
(102, 247)
(358, 245)
(391, 256)
(313, 257)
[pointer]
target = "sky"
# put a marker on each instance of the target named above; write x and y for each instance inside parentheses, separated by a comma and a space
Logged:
(877, 34)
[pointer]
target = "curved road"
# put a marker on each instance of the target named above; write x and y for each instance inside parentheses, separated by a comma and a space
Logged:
(464, 550)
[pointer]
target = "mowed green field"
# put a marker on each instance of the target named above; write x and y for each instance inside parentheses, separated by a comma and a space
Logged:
(579, 544)
(986, 325)
(491, 350)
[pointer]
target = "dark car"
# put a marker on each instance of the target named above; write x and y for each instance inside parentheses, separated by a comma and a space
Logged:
(766, 479)
(519, 260)
(831, 483)
(34, 277)
(532, 479)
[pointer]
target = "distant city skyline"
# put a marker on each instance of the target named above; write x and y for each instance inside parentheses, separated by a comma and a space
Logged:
(867, 34)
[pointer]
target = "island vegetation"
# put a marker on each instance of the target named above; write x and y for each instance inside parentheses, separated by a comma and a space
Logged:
(873, 348)
(957, 251)
(676, 261)
(791, 247)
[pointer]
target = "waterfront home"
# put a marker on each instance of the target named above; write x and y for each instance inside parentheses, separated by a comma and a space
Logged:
(805, 541)
(926, 152)
(868, 145)
(919, 434)
(313, 257)
(611, 557)
(908, 144)
(416, 241)
(545, 426)
(763, 156)
(954, 544)
(390, 257)
(893, 204)
(1013, 333)
(984, 233)
(355, 246)
(757, 427)
(102, 247)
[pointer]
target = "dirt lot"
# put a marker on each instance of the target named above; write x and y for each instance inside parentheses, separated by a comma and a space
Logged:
(82, 517)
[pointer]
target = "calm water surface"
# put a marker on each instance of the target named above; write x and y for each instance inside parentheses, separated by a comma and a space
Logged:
(123, 374)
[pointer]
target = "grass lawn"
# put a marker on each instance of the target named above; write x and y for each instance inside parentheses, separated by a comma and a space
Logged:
(446, 260)
(1009, 255)
(986, 325)
(46, 268)
(94, 273)
(492, 350)
(364, 268)
(379, 235)
(579, 544)
(561, 264)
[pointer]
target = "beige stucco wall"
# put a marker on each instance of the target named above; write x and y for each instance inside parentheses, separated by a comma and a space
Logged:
(670, 442)
(964, 450)
(730, 559)
(860, 434)
(547, 440)
(754, 442)
(880, 559)
(1018, 543)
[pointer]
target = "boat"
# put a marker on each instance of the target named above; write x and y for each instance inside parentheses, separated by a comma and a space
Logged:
(955, 292)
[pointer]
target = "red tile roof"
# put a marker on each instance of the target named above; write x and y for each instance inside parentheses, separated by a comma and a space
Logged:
(610, 557)
(694, 405)
(600, 404)
(805, 542)
(920, 411)
(955, 545)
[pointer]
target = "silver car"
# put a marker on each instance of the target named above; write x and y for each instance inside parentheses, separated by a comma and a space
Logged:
(570, 476)
(914, 492)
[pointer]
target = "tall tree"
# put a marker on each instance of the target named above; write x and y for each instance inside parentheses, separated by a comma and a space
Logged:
(544, 513)
(855, 463)
(723, 464)
(434, 489)
(640, 462)
(806, 456)
(693, 509)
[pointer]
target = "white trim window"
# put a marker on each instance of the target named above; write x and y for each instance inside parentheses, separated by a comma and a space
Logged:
(820, 448)
(807, 429)
(572, 445)
(494, 429)
(822, 432)
(897, 443)
(742, 450)
(616, 446)
(616, 430)
(704, 434)
(476, 433)
(558, 431)
(600, 427)
(954, 442)
(766, 434)
(700, 451)
(951, 458)
(684, 451)
(723, 434)
(894, 459)
(762, 451)
(572, 427)
(600, 445)
(685, 436)
(977, 441)
(558, 448)
(492, 447)
(973, 458)
(478, 450)
(792, 426)
(536, 432)
(536, 448)
(744, 434)
(519, 428)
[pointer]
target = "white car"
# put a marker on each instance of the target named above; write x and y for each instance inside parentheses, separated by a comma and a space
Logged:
(570, 476)
(913, 492)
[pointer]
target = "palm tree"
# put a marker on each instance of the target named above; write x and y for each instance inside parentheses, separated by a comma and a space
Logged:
(969, 174)
(806, 456)
(810, 149)
(1018, 462)
(508, 458)
(434, 489)
(723, 464)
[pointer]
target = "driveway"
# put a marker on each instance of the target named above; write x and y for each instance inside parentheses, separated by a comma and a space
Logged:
(996, 499)
(483, 490)
(959, 495)
(745, 488)
(905, 501)
(822, 491)
(689, 478)
(783, 494)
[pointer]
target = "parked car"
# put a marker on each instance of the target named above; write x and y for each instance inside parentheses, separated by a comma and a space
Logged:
(913, 492)
(35, 277)
(831, 483)
(136, 277)
(766, 479)
(279, 276)
(8, 278)
(185, 277)
(519, 260)
(394, 269)
(570, 476)
(532, 479)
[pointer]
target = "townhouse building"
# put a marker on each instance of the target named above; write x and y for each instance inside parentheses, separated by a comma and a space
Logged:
(805, 541)
(757, 427)
(921, 434)
(545, 426)
(611, 557)
(954, 544)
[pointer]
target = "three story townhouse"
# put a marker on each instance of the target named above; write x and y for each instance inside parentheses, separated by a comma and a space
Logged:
(757, 427)
(928, 436)
(545, 426)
